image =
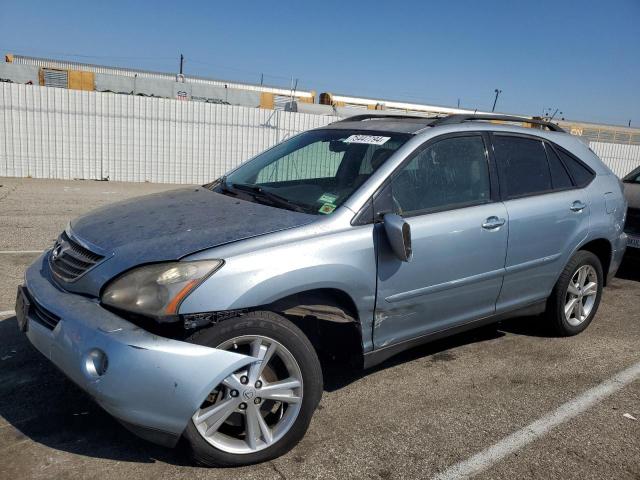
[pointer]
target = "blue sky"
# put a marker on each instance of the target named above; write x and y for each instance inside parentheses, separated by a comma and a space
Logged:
(582, 57)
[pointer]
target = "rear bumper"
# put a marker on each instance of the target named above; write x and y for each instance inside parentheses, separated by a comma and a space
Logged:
(616, 258)
(152, 384)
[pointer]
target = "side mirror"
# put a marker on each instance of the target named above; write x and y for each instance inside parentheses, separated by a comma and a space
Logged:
(399, 234)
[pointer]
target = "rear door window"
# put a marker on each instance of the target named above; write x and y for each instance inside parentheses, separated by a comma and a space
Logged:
(522, 165)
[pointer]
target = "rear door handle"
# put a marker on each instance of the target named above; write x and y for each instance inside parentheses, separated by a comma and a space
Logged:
(578, 206)
(492, 223)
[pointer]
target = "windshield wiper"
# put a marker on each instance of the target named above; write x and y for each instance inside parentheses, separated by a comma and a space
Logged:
(223, 184)
(258, 191)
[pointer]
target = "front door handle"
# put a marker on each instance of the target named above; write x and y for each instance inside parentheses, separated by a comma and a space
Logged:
(493, 223)
(578, 206)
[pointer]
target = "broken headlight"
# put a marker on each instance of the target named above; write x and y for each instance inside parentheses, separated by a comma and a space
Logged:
(157, 290)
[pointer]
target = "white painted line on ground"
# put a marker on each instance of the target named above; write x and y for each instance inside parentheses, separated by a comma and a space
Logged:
(514, 442)
(7, 313)
(21, 251)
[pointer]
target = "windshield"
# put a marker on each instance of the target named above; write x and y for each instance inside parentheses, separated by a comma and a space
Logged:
(633, 177)
(314, 172)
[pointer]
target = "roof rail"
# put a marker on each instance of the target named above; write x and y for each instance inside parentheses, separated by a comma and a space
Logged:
(460, 118)
(369, 116)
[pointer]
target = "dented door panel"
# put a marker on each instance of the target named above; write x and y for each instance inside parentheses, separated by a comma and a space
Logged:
(454, 277)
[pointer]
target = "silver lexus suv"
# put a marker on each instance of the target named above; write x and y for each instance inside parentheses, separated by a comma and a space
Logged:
(202, 313)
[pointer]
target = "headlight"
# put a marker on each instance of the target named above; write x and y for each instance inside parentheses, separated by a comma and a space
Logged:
(157, 290)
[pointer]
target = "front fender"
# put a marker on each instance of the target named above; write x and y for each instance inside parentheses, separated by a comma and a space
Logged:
(343, 260)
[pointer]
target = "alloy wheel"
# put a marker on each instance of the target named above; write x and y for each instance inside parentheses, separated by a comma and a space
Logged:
(255, 406)
(581, 295)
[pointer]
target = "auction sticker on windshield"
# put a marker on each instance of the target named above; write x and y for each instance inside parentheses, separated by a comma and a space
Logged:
(327, 198)
(327, 208)
(367, 139)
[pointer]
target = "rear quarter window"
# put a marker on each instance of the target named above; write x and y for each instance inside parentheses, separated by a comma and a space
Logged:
(559, 176)
(582, 175)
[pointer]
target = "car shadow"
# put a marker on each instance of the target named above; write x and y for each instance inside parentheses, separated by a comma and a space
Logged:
(337, 375)
(44, 406)
(629, 269)
(530, 326)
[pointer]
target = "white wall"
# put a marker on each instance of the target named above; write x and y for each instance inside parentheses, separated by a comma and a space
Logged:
(65, 134)
(620, 158)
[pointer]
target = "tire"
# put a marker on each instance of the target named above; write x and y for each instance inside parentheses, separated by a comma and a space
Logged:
(573, 323)
(270, 327)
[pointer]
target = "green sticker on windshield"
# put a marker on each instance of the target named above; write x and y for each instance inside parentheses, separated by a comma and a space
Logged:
(327, 208)
(327, 198)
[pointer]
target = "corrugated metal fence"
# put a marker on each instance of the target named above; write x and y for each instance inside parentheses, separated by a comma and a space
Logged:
(619, 157)
(65, 134)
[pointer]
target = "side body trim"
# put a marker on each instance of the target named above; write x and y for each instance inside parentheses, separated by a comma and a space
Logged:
(445, 286)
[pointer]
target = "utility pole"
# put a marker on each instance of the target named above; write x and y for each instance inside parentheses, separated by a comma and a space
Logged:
(181, 63)
(495, 100)
(294, 87)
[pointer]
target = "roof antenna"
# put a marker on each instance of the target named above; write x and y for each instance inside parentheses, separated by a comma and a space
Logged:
(495, 100)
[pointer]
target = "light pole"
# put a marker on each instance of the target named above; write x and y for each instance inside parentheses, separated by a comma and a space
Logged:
(495, 100)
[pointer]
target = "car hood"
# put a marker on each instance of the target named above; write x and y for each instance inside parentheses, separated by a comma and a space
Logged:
(170, 225)
(632, 194)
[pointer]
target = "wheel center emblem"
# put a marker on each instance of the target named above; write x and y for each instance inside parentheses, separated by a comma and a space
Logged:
(249, 393)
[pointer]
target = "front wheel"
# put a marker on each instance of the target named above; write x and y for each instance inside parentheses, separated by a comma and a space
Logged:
(262, 410)
(576, 296)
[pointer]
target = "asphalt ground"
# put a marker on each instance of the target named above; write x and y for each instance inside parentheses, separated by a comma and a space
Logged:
(482, 395)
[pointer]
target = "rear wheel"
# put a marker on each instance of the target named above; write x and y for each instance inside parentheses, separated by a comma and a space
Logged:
(262, 410)
(576, 296)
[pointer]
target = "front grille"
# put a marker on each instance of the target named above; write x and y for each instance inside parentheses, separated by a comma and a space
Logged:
(39, 314)
(69, 259)
(632, 224)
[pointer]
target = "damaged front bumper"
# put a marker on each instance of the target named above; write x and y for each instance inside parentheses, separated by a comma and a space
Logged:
(151, 384)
